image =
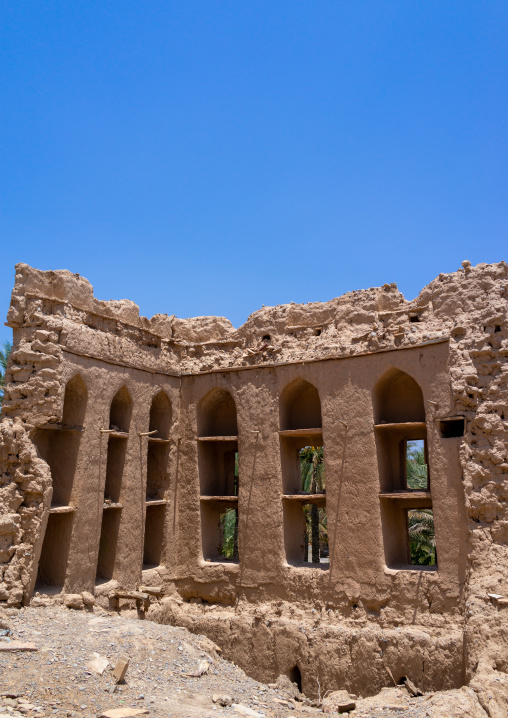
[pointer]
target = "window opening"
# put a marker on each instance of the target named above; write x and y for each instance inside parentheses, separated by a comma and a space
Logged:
(121, 411)
(157, 479)
(108, 543)
(59, 446)
(55, 550)
(219, 476)
(119, 421)
(154, 535)
(415, 462)
(422, 540)
(451, 428)
(303, 476)
(404, 472)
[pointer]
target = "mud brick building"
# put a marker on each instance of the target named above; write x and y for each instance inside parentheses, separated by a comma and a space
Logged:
(127, 444)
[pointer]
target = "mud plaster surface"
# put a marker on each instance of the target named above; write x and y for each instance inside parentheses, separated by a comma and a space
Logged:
(345, 624)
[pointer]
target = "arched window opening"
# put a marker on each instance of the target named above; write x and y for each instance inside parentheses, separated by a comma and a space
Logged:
(121, 411)
(217, 415)
(404, 472)
(119, 423)
(300, 407)
(303, 476)
(219, 475)
(157, 479)
(59, 445)
(160, 416)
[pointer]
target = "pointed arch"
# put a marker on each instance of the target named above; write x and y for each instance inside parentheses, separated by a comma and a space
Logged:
(300, 406)
(75, 401)
(160, 415)
(121, 410)
(217, 414)
(398, 398)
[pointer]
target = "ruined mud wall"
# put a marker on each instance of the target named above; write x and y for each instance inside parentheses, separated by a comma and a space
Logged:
(441, 628)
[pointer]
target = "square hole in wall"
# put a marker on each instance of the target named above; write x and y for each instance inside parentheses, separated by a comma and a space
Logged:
(421, 537)
(451, 428)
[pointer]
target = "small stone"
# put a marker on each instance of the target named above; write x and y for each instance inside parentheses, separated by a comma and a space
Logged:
(121, 668)
(222, 700)
(88, 598)
(74, 600)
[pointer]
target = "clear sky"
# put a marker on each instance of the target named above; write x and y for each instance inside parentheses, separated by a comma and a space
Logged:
(211, 156)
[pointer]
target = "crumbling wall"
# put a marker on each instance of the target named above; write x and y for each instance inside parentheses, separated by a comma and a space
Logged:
(25, 497)
(445, 619)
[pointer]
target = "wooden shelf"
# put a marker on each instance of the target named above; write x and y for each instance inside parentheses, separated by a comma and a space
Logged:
(119, 434)
(403, 426)
(61, 427)
(156, 440)
(305, 498)
(225, 499)
(111, 506)
(62, 510)
(156, 502)
(408, 495)
(217, 438)
(301, 432)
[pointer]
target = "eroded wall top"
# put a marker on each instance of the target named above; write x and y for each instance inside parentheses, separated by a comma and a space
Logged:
(358, 322)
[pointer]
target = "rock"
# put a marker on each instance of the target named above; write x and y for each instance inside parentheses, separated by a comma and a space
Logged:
(121, 668)
(88, 599)
(74, 600)
(412, 689)
(283, 683)
(202, 669)
(97, 664)
(222, 700)
(4, 621)
(246, 711)
(338, 701)
(123, 713)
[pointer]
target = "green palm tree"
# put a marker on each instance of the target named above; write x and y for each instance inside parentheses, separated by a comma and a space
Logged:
(4, 356)
(416, 466)
(422, 541)
(312, 471)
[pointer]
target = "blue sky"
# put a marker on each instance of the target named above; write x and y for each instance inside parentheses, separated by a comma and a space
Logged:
(211, 156)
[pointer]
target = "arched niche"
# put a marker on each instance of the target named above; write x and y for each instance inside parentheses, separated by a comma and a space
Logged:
(60, 445)
(218, 461)
(397, 399)
(300, 406)
(403, 463)
(75, 400)
(121, 410)
(217, 414)
(160, 415)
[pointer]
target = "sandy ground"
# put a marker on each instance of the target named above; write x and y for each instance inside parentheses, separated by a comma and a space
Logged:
(58, 679)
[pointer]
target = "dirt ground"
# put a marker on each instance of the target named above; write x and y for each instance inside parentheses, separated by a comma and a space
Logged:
(60, 678)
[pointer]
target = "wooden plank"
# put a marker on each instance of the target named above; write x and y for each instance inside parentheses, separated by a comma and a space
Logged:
(217, 438)
(62, 509)
(8, 646)
(152, 590)
(229, 499)
(405, 495)
(132, 595)
(301, 432)
(403, 425)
